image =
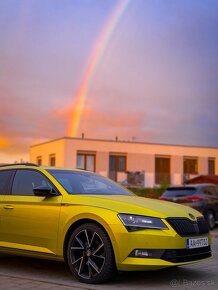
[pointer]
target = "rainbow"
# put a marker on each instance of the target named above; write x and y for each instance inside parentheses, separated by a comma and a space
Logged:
(77, 108)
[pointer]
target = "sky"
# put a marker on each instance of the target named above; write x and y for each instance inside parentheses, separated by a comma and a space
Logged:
(147, 72)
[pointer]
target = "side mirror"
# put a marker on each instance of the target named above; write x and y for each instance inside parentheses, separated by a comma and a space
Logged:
(45, 191)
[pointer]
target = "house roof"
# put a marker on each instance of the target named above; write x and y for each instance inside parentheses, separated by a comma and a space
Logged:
(203, 179)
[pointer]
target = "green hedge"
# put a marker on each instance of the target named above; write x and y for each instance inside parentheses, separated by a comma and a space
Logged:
(148, 192)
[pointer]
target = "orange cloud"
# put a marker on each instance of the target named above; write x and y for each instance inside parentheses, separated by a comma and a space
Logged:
(4, 143)
(111, 123)
(21, 123)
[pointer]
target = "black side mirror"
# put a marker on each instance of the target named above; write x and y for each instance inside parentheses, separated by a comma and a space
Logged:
(45, 191)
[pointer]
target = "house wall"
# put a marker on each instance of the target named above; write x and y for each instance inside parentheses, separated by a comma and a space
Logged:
(44, 150)
(203, 165)
(140, 156)
(216, 166)
(176, 169)
(102, 162)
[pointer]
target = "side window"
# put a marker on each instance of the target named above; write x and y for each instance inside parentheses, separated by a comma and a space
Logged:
(4, 180)
(210, 190)
(216, 191)
(26, 180)
(213, 190)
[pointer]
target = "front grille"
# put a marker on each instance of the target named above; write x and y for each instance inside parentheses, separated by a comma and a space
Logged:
(185, 227)
(186, 255)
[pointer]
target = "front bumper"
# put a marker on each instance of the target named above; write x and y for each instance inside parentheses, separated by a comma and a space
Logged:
(168, 247)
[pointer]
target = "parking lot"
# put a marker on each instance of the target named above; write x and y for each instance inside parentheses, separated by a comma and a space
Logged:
(28, 273)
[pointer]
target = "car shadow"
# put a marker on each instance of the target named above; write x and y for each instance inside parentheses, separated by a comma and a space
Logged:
(58, 273)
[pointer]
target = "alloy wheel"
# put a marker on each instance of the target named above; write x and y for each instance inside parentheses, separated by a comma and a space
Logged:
(211, 219)
(87, 254)
(90, 254)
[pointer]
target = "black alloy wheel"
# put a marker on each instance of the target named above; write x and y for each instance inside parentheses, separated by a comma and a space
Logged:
(210, 218)
(90, 254)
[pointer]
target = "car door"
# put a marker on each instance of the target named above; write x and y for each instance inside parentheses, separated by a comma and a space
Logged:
(30, 222)
(5, 177)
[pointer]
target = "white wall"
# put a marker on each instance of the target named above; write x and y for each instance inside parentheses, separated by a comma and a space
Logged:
(140, 156)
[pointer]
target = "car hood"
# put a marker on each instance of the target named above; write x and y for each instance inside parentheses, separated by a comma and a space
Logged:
(134, 205)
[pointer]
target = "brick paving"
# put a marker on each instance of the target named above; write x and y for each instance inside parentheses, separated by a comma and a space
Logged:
(17, 283)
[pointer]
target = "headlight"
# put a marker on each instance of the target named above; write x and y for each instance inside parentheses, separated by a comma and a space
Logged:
(138, 222)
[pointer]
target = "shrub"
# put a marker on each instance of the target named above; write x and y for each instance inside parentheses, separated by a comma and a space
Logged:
(155, 192)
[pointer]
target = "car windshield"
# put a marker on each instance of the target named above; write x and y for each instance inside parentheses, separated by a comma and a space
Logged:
(80, 182)
(180, 191)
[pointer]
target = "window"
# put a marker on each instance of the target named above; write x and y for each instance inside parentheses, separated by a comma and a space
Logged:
(86, 160)
(76, 182)
(211, 166)
(4, 180)
(26, 180)
(211, 190)
(190, 165)
(52, 160)
(39, 160)
(162, 170)
(117, 163)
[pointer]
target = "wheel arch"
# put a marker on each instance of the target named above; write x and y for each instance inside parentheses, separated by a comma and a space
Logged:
(212, 209)
(81, 221)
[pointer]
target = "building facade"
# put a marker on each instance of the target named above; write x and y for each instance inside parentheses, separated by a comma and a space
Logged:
(143, 164)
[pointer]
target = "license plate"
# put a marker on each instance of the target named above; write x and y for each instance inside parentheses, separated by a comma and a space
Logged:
(196, 243)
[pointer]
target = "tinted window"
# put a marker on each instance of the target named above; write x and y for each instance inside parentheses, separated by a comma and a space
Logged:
(210, 190)
(217, 191)
(76, 182)
(26, 180)
(4, 180)
(180, 191)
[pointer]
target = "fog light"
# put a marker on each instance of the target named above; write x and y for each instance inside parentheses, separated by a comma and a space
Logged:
(142, 253)
(147, 253)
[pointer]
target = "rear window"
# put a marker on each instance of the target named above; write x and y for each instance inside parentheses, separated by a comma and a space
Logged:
(179, 191)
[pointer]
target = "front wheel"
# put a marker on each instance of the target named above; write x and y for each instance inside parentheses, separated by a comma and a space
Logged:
(210, 218)
(90, 254)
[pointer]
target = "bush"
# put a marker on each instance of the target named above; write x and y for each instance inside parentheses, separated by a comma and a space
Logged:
(155, 192)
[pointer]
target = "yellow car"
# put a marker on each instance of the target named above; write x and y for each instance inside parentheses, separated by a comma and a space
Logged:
(96, 226)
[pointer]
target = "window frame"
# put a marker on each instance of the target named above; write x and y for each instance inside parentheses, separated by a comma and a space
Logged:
(86, 154)
(30, 169)
(189, 172)
(162, 176)
(39, 158)
(211, 159)
(116, 157)
(10, 181)
(51, 157)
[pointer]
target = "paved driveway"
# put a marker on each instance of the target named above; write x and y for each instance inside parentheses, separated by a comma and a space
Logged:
(25, 273)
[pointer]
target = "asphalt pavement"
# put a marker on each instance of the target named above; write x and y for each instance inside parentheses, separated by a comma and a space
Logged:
(19, 273)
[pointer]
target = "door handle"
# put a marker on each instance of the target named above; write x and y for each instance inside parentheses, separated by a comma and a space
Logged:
(8, 207)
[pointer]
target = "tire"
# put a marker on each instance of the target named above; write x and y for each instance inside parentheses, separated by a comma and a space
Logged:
(90, 255)
(210, 218)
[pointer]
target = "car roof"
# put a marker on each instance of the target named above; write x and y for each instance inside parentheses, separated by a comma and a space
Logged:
(3, 166)
(186, 186)
(33, 165)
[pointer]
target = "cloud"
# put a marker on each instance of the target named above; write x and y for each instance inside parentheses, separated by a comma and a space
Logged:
(110, 123)
(4, 143)
(22, 122)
